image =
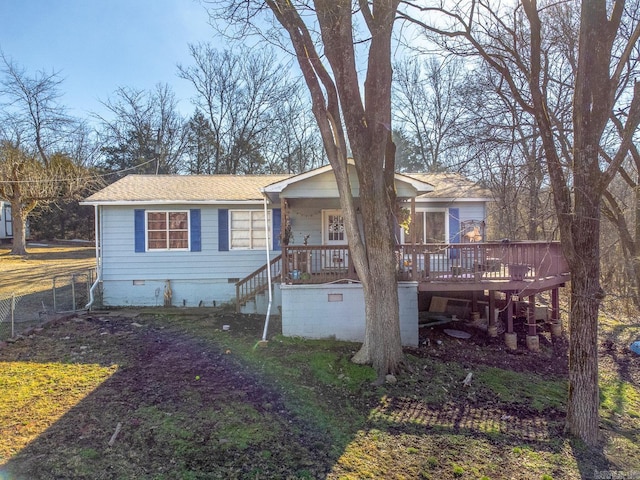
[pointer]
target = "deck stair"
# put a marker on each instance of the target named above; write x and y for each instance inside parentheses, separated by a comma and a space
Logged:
(257, 283)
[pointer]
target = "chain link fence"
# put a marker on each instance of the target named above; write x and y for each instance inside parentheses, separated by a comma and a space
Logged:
(20, 311)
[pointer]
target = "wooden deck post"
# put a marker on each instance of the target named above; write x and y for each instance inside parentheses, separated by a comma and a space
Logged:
(531, 315)
(533, 341)
(556, 322)
(492, 329)
(414, 254)
(509, 310)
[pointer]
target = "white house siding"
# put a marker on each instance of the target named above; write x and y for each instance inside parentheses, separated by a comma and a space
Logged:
(324, 186)
(306, 220)
(467, 210)
(472, 211)
(139, 279)
(337, 310)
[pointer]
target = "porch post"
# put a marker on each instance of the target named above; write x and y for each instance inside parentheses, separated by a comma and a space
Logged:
(414, 254)
(284, 245)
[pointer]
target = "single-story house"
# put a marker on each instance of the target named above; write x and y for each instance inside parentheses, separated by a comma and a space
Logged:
(202, 240)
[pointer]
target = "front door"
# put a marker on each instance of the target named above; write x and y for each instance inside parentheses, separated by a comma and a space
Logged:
(333, 234)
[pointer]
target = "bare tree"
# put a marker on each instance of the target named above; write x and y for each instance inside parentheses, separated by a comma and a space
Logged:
(504, 149)
(38, 143)
(146, 132)
(352, 113)
(294, 144)
(425, 107)
(239, 94)
(518, 43)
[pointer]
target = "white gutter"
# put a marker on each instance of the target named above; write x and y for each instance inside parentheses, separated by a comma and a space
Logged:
(98, 258)
(266, 231)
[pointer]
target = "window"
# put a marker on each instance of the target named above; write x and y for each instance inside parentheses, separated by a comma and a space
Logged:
(333, 228)
(435, 227)
(167, 230)
(430, 227)
(247, 229)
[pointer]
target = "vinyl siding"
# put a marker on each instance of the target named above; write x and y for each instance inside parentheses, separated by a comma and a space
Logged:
(192, 274)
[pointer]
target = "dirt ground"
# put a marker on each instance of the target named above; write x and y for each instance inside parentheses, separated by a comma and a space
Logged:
(161, 366)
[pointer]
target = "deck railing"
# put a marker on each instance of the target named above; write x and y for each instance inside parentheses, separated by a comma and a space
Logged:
(466, 262)
(316, 264)
(257, 282)
(481, 261)
(452, 262)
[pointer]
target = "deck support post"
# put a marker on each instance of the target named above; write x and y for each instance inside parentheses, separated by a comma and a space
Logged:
(556, 322)
(492, 329)
(533, 341)
(509, 310)
(531, 315)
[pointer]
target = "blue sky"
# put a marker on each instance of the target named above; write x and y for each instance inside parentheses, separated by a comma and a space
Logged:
(100, 45)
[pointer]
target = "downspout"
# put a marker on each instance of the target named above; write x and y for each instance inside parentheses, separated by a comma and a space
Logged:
(98, 258)
(267, 236)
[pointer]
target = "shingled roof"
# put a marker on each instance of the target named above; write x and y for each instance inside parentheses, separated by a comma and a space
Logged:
(185, 188)
(452, 186)
(165, 189)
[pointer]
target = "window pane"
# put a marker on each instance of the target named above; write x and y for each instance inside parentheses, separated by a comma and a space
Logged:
(248, 229)
(336, 228)
(157, 221)
(178, 239)
(167, 230)
(435, 227)
(240, 239)
(178, 220)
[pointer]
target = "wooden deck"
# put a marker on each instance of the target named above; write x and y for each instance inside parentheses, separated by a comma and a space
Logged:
(521, 266)
(517, 269)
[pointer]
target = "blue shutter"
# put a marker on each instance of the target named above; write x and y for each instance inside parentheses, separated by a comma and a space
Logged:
(223, 230)
(454, 230)
(138, 215)
(276, 216)
(194, 225)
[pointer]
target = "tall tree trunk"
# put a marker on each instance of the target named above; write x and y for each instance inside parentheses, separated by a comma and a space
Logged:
(586, 294)
(382, 346)
(18, 218)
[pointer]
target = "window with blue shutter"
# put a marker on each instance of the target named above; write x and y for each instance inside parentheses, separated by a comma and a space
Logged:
(167, 230)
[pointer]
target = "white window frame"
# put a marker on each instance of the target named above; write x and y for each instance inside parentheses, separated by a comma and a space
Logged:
(406, 238)
(168, 230)
(252, 212)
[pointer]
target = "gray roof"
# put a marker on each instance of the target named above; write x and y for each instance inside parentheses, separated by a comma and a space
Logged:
(451, 186)
(185, 188)
(247, 188)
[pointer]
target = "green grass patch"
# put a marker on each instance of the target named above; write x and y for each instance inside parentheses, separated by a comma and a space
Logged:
(528, 389)
(618, 397)
(34, 395)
